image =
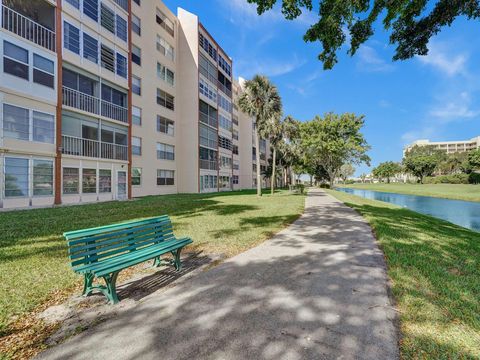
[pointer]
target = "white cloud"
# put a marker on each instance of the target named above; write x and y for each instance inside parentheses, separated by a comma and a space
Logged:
(384, 103)
(269, 67)
(455, 109)
(440, 58)
(371, 61)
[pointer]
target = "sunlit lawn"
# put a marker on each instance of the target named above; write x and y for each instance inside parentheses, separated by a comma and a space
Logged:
(448, 191)
(435, 270)
(33, 254)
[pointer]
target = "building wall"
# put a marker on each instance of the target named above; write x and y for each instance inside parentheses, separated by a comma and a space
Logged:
(448, 146)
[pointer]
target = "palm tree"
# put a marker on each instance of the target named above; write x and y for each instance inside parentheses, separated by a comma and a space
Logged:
(261, 100)
(275, 130)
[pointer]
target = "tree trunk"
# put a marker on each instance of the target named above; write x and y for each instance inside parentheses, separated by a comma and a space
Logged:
(274, 178)
(311, 180)
(257, 157)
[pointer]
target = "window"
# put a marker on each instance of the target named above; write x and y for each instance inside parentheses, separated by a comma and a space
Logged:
(15, 60)
(208, 159)
(136, 146)
(165, 74)
(165, 125)
(165, 177)
(208, 114)
(121, 28)
(108, 58)
(224, 143)
(136, 55)
(123, 4)
(236, 165)
(121, 66)
(43, 127)
(235, 179)
(70, 181)
(226, 162)
(208, 47)
(235, 149)
(136, 85)
(165, 48)
(74, 3)
(105, 181)
(208, 137)
(165, 152)
(136, 25)
(137, 2)
(114, 96)
(224, 182)
(16, 122)
(224, 123)
(16, 177)
(90, 8)
(43, 71)
(90, 48)
(165, 22)
(207, 90)
(224, 65)
(89, 181)
(224, 103)
(42, 177)
(208, 182)
(165, 99)
(71, 38)
(136, 116)
(235, 134)
(136, 176)
(78, 82)
(208, 69)
(107, 18)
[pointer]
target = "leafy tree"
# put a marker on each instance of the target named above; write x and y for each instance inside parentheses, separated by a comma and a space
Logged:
(387, 170)
(261, 100)
(474, 159)
(334, 140)
(363, 176)
(346, 171)
(422, 161)
(413, 22)
(455, 163)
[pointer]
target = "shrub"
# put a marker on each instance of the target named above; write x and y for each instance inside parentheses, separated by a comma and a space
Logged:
(300, 187)
(324, 186)
(448, 179)
(474, 178)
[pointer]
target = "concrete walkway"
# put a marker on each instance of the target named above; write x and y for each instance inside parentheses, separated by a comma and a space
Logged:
(317, 290)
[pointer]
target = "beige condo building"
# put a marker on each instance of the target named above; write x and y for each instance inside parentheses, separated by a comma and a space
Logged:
(112, 99)
(448, 146)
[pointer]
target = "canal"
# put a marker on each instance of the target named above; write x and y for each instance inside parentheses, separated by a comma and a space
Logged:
(463, 213)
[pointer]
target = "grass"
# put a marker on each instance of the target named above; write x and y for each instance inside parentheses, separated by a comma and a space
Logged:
(33, 254)
(435, 271)
(447, 191)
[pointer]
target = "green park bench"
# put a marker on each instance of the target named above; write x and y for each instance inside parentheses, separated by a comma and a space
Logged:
(103, 252)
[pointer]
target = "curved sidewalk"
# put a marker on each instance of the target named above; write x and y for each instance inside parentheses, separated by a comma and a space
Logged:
(316, 290)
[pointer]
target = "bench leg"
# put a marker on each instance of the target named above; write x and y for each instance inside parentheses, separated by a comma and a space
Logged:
(111, 287)
(177, 262)
(87, 284)
(157, 262)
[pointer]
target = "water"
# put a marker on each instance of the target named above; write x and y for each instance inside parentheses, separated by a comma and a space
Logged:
(463, 213)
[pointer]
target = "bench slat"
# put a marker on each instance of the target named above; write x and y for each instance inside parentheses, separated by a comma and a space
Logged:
(124, 259)
(154, 233)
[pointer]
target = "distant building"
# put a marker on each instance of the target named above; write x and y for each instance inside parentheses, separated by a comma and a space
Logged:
(448, 146)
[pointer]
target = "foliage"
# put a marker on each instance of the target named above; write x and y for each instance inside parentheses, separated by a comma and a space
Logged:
(422, 161)
(455, 163)
(346, 171)
(435, 277)
(261, 100)
(300, 188)
(332, 141)
(448, 179)
(387, 170)
(474, 159)
(412, 22)
(324, 186)
(474, 178)
(33, 255)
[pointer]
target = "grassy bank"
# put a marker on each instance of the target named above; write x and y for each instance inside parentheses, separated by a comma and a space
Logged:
(447, 191)
(33, 257)
(435, 271)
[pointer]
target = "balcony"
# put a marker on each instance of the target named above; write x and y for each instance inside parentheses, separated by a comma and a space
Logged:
(93, 149)
(29, 29)
(224, 89)
(208, 165)
(78, 100)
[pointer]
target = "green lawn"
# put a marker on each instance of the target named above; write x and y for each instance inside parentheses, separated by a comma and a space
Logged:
(447, 191)
(33, 257)
(435, 271)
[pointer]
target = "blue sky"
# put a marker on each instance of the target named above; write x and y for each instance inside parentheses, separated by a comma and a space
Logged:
(435, 97)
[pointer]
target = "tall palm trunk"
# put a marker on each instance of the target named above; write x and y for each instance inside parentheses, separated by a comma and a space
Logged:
(274, 178)
(257, 157)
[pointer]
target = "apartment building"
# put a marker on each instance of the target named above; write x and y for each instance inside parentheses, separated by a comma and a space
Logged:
(111, 99)
(448, 146)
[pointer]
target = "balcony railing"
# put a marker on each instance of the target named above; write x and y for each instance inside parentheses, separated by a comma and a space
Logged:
(93, 149)
(94, 105)
(27, 28)
(224, 89)
(208, 165)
